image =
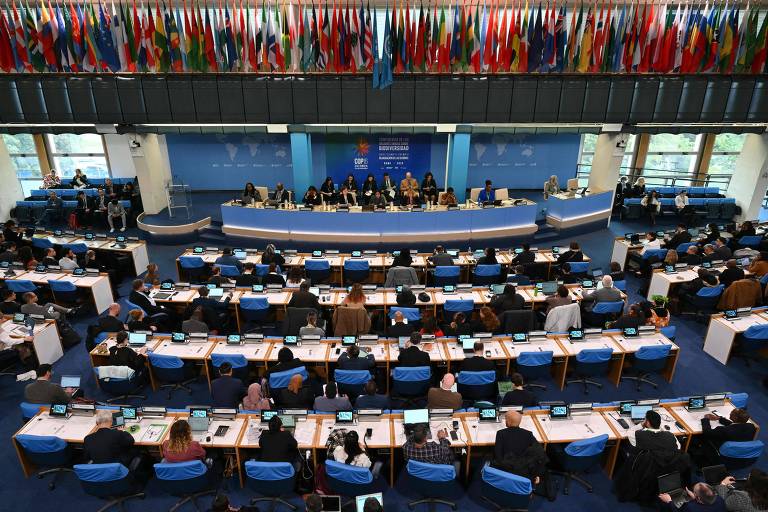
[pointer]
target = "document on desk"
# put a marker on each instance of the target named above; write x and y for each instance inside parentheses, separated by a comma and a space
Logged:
(153, 433)
(305, 432)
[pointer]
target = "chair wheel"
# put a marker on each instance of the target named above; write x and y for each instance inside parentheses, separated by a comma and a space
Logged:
(589, 490)
(51, 486)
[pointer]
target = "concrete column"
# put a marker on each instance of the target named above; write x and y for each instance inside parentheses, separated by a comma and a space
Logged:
(606, 164)
(152, 168)
(301, 158)
(458, 163)
(750, 177)
(11, 190)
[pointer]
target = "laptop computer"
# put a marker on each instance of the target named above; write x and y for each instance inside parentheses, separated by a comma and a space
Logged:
(198, 419)
(71, 381)
(360, 500)
(549, 287)
(331, 503)
(671, 484)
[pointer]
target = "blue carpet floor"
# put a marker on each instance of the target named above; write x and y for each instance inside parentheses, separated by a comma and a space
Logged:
(696, 373)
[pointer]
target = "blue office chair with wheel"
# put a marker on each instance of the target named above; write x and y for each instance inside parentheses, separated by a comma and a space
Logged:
(669, 331)
(432, 481)
(280, 380)
(705, 301)
(111, 482)
(65, 293)
(447, 275)
(591, 362)
(356, 270)
(751, 241)
(411, 383)
(646, 361)
(29, 411)
(172, 371)
(486, 274)
(120, 389)
(350, 481)
(50, 453)
(740, 455)
(228, 270)
(579, 268)
(352, 382)
(192, 267)
(254, 311)
(187, 480)
(273, 480)
(505, 491)
(156, 318)
(605, 312)
(19, 286)
(739, 400)
(533, 366)
(578, 457)
(751, 342)
(413, 315)
(453, 306)
(238, 361)
(318, 270)
(477, 386)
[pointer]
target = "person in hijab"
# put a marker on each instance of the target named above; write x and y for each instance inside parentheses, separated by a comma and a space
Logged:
(254, 400)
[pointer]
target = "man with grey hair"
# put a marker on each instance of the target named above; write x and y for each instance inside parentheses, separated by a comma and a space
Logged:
(608, 293)
(107, 445)
(702, 499)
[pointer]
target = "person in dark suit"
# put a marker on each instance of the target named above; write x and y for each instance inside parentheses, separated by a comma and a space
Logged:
(227, 391)
(111, 189)
(247, 278)
(681, 236)
(108, 445)
(649, 435)
(111, 321)
(207, 303)
(303, 298)
(519, 396)
(513, 441)
(478, 362)
(734, 428)
(508, 300)
(50, 257)
(83, 210)
(702, 499)
(489, 258)
(731, 273)
(285, 361)
(227, 258)
(139, 297)
(722, 250)
(412, 355)
(458, 326)
(280, 194)
(216, 277)
(440, 258)
(273, 277)
(399, 327)
(623, 190)
(122, 355)
(296, 395)
(43, 391)
(9, 306)
(278, 445)
(572, 254)
(351, 360)
(527, 256)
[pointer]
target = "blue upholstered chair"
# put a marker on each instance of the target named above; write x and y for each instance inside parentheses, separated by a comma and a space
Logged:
(64, 292)
(238, 361)
(192, 267)
(273, 480)
(621, 285)
(432, 481)
(111, 482)
(171, 370)
(413, 315)
(350, 481)
(28, 410)
(705, 301)
(578, 457)
(156, 318)
(751, 343)
(280, 380)
(78, 248)
(318, 271)
(19, 286)
(411, 383)
(453, 306)
(254, 310)
(120, 389)
(752, 241)
(228, 270)
(591, 362)
(534, 365)
(605, 312)
(739, 400)
(356, 270)
(41, 243)
(352, 382)
(486, 274)
(445, 275)
(646, 361)
(740, 455)
(579, 268)
(505, 491)
(478, 385)
(669, 331)
(50, 453)
(187, 480)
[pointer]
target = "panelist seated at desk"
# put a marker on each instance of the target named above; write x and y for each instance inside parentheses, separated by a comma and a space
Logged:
(311, 328)
(369, 189)
(429, 326)
(419, 449)
(180, 447)
(50, 310)
(346, 196)
(203, 300)
(371, 399)
(488, 258)
(352, 360)
(518, 395)
(355, 298)
(734, 428)
(378, 200)
(331, 401)
(351, 452)
(551, 187)
(487, 321)
(296, 395)
(458, 326)
(516, 450)
(140, 297)
(137, 321)
(111, 322)
(280, 194)
(195, 323)
(9, 306)
(270, 255)
(478, 362)
(680, 236)
(561, 298)
(227, 391)
(387, 187)
(608, 293)
(68, 261)
(277, 444)
(443, 396)
(634, 318)
(409, 190)
(328, 191)
(487, 195)
(448, 198)
(43, 391)
(254, 400)
(412, 355)
(311, 197)
(251, 194)
(108, 445)
(429, 188)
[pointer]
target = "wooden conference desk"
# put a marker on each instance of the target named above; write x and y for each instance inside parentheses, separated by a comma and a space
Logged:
(442, 352)
(721, 333)
(663, 283)
(98, 286)
(136, 249)
(45, 340)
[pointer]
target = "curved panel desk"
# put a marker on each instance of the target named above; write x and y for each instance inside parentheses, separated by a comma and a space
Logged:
(384, 226)
(566, 211)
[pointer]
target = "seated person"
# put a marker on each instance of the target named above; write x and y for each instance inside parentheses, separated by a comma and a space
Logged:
(296, 395)
(106, 444)
(409, 190)
(691, 256)
(216, 277)
(608, 293)
(429, 326)
(137, 321)
(734, 428)
(487, 321)
(227, 258)
(487, 195)
(687, 291)
(331, 401)
(401, 275)
(371, 399)
(280, 194)
(285, 362)
(277, 444)
(649, 435)
(227, 391)
(273, 277)
(561, 298)
(111, 321)
(412, 355)
(399, 327)
(709, 254)
(449, 198)
(489, 258)
(378, 200)
(311, 197)
(352, 452)
(616, 273)
(195, 323)
(440, 258)
(387, 188)
(346, 196)
(429, 188)
(565, 274)
(516, 450)
(572, 254)
(632, 318)
(351, 360)
(525, 257)
(247, 278)
(680, 236)
(759, 266)
(328, 191)
(50, 257)
(721, 248)
(443, 397)
(459, 325)
(731, 273)
(478, 362)
(50, 310)
(702, 499)
(369, 189)
(303, 298)
(419, 449)
(53, 209)
(251, 195)
(122, 355)
(43, 391)
(311, 329)
(656, 313)
(519, 396)
(295, 277)
(9, 306)
(180, 447)
(752, 497)
(255, 400)
(116, 210)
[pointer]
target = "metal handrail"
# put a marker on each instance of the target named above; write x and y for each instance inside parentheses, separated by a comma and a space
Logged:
(664, 180)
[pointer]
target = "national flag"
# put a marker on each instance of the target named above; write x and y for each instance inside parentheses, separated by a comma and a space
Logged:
(726, 42)
(129, 36)
(489, 44)
(548, 55)
(75, 39)
(47, 39)
(33, 41)
(573, 41)
(441, 50)
(419, 58)
(514, 46)
(285, 43)
(376, 67)
(325, 41)
(560, 39)
(522, 64)
(314, 41)
(606, 60)
(162, 57)
(761, 46)
(366, 36)
(536, 42)
(271, 43)
(109, 56)
(385, 78)
(585, 49)
(92, 58)
(19, 43)
(7, 60)
(434, 45)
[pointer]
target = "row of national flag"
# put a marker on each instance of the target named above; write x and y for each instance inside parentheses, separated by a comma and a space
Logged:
(331, 37)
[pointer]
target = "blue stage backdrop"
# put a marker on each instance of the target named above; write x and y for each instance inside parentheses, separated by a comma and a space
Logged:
(361, 154)
(522, 161)
(227, 162)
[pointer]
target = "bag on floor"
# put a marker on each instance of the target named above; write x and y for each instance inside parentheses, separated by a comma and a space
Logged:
(69, 336)
(72, 221)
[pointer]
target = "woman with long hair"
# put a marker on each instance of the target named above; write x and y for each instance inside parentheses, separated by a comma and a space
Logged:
(351, 452)
(180, 447)
(488, 321)
(355, 297)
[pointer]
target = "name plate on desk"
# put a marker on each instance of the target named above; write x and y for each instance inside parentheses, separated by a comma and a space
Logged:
(305, 208)
(342, 209)
(417, 209)
(83, 409)
(270, 207)
(380, 209)
(490, 205)
(453, 208)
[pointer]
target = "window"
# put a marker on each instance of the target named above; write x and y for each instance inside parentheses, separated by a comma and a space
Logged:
(672, 158)
(588, 143)
(85, 152)
(23, 153)
(726, 150)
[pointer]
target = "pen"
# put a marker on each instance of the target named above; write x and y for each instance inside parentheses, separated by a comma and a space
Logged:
(588, 428)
